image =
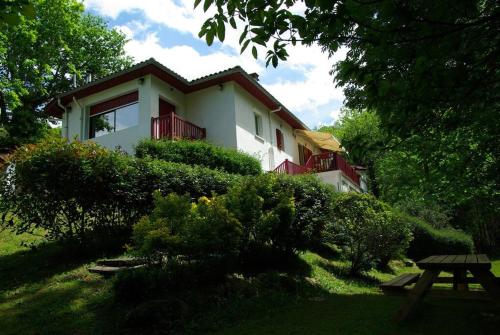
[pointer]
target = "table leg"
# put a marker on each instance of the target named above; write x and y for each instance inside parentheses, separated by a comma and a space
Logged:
(460, 280)
(423, 284)
(488, 281)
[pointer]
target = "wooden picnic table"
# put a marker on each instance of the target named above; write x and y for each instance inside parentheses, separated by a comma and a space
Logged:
(478, 265)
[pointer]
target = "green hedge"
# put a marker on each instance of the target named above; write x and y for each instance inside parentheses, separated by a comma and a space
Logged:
(76, 190)
(200, 153)
(428, 240)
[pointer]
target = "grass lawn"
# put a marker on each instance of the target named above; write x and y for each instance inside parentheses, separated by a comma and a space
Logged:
(49, 292)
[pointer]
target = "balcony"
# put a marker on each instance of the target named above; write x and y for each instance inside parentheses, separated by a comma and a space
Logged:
(326, 161)
(172, 126)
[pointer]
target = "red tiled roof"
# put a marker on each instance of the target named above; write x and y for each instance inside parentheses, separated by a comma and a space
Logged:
(151, 66)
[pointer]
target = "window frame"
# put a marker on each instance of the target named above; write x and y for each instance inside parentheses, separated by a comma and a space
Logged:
(280, 140)
(258, 124)
(114, 111)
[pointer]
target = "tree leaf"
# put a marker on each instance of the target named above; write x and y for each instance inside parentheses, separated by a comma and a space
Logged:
(232, 22)
(254, 52)
(196, 3)
(244, 46)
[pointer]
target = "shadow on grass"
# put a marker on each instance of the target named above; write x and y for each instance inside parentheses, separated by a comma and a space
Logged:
(342, 272)
(327, 251)
(69, 305)
(367, 314)
(48, 259)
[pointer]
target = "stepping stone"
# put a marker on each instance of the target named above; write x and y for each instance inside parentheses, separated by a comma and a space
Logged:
(106, 270)
(120, 262)
(111, 270)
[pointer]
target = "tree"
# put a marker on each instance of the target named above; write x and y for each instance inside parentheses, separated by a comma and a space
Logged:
(38, 56)
(11, 11)
(417, 63)
(429, 69)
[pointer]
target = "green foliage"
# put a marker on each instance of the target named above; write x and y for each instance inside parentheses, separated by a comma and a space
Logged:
(170, 177)
(177, 227)
(40, 52)
(428, 241)
(281, 212)
(367, 230)
(73, 189)
(4, 137)
(12, 11)
(200, 153)
(68, 189)
(428, 69)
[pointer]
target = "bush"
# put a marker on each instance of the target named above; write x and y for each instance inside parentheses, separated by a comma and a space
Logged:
(168, 177)
(69, 189)
(428, 241)
(197, 231)
(200, 153)
(367, 230)
(77, 191)
(281, 212)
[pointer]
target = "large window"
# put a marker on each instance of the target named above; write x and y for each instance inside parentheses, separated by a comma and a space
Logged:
(122, 117)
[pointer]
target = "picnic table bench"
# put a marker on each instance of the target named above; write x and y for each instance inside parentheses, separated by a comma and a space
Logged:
(478, 265)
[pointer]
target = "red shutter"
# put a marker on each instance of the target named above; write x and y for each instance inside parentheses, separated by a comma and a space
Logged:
(114, 103)
(280, 140)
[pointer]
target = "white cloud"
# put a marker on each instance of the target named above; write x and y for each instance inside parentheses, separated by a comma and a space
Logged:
(304, 96)
(185, 60)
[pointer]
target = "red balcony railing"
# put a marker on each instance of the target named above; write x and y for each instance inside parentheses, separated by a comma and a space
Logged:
(174, 127)
(327, 161)
(330, 161)
(290, 168)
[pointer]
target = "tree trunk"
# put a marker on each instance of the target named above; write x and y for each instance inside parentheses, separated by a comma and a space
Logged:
(372, 177)
(3, 109)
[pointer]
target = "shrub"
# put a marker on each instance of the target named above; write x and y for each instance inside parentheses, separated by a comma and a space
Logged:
(69, 189)
(367, 230)
(168, 177)
(79, 191)
(197, 231)
(281, 212)
(428, 241)
(200, 153)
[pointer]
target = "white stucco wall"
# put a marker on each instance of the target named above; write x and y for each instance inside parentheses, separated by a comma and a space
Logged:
(213, 108)
(77, 119)
(339, 181)
(263, 147)
(226, 112)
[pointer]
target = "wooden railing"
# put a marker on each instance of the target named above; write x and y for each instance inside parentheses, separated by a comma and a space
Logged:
(327, 161)
(174, 127)
(290, 168)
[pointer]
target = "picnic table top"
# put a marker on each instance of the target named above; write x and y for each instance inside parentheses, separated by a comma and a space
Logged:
(479, 261)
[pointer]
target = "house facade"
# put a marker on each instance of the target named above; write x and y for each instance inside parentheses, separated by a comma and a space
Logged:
(228, 108)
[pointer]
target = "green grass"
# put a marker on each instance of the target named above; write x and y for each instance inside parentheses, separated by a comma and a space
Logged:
(356, 306)
(48, 291)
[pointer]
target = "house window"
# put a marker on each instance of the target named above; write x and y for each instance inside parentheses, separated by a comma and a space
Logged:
(258, 125)
(280, 140)
(122, 117)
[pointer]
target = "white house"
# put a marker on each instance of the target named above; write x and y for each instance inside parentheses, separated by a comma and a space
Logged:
(229, 108)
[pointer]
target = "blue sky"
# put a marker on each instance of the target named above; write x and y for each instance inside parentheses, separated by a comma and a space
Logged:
(167, 30)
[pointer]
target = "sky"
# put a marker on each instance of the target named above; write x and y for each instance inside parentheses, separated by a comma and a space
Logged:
(167, 30)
